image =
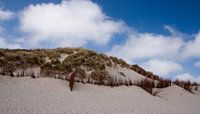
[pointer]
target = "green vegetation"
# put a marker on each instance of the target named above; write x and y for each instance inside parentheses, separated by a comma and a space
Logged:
(64, 50)
(49, 61)
(54, 55)
(80, 74)
(99, 76)
(119, 61)
(79, 62)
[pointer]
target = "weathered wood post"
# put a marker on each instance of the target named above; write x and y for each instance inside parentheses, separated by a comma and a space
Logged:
(71, 80)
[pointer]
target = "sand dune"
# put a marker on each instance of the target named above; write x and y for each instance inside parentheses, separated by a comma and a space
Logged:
(26, 95)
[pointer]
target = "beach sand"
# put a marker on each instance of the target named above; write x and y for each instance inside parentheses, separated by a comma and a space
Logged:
(25, 95)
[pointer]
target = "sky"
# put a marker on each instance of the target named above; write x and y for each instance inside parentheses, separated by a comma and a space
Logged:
(161, 36)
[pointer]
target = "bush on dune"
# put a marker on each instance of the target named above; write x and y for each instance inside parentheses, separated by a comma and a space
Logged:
(147, 85)
(187, 85)
(163, 83)
(119, 61)
(65, 50)
(80, 74)
(195, 85)
(99, 76)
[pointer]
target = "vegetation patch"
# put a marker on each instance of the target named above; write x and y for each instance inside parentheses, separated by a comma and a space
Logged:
(77, 59)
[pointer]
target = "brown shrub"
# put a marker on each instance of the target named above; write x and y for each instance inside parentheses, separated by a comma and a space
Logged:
(119, 61)
(80, 73)
(54, 55)
(184, 84)
(155, 77)
(65, 50)
(188, 86)
(195, 85)
(148, 74)
(99, 76)
(109, 63)
(147, 85)
(163, 83)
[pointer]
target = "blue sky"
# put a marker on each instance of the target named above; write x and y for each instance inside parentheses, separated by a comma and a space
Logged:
(150, 16)
(161, 36)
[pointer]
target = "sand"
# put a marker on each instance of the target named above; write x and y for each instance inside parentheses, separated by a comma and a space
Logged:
(25, 95)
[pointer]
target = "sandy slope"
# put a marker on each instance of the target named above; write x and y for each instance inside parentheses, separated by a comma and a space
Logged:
(25, 95)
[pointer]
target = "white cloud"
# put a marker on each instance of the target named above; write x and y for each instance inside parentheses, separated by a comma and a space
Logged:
(162, 67)
(192, 47)
(5, 14)
(140, 46)
(147, 45)
(197, 64)
(187, 76)
(5, 44)
(70, 23)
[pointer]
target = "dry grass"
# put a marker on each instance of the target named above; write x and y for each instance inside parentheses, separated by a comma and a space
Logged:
(119, 61)
(195, 85)
(147, 85)
(99, 76)
(78, 58)
(187, 85)
(163, 83)
(143, 72)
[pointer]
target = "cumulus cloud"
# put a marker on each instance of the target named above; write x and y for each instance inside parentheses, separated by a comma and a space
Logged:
(162, 67)
(5, 14)
(151, 45)
(70, 23)
(197, 64)
(192, 47)
(162, 52)
(148, 45)
(5, 44)
(187, 76)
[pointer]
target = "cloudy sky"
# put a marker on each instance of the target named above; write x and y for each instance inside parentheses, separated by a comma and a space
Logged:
(161, 36)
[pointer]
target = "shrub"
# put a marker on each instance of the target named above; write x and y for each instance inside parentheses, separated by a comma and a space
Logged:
(80, 73)
(95, 62)
(195, 85)
(188, 86)
(65, 50)
(138, 69)
(109, 63)
(163, 83)
(104, 57)
(74, 61)
(147, 85)
(155, 77)
(2, 53)
(148, 74)
(55, 62)
(184, 84)
(119, 61)
(32, 60)
(99, 76)
(54, 55)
